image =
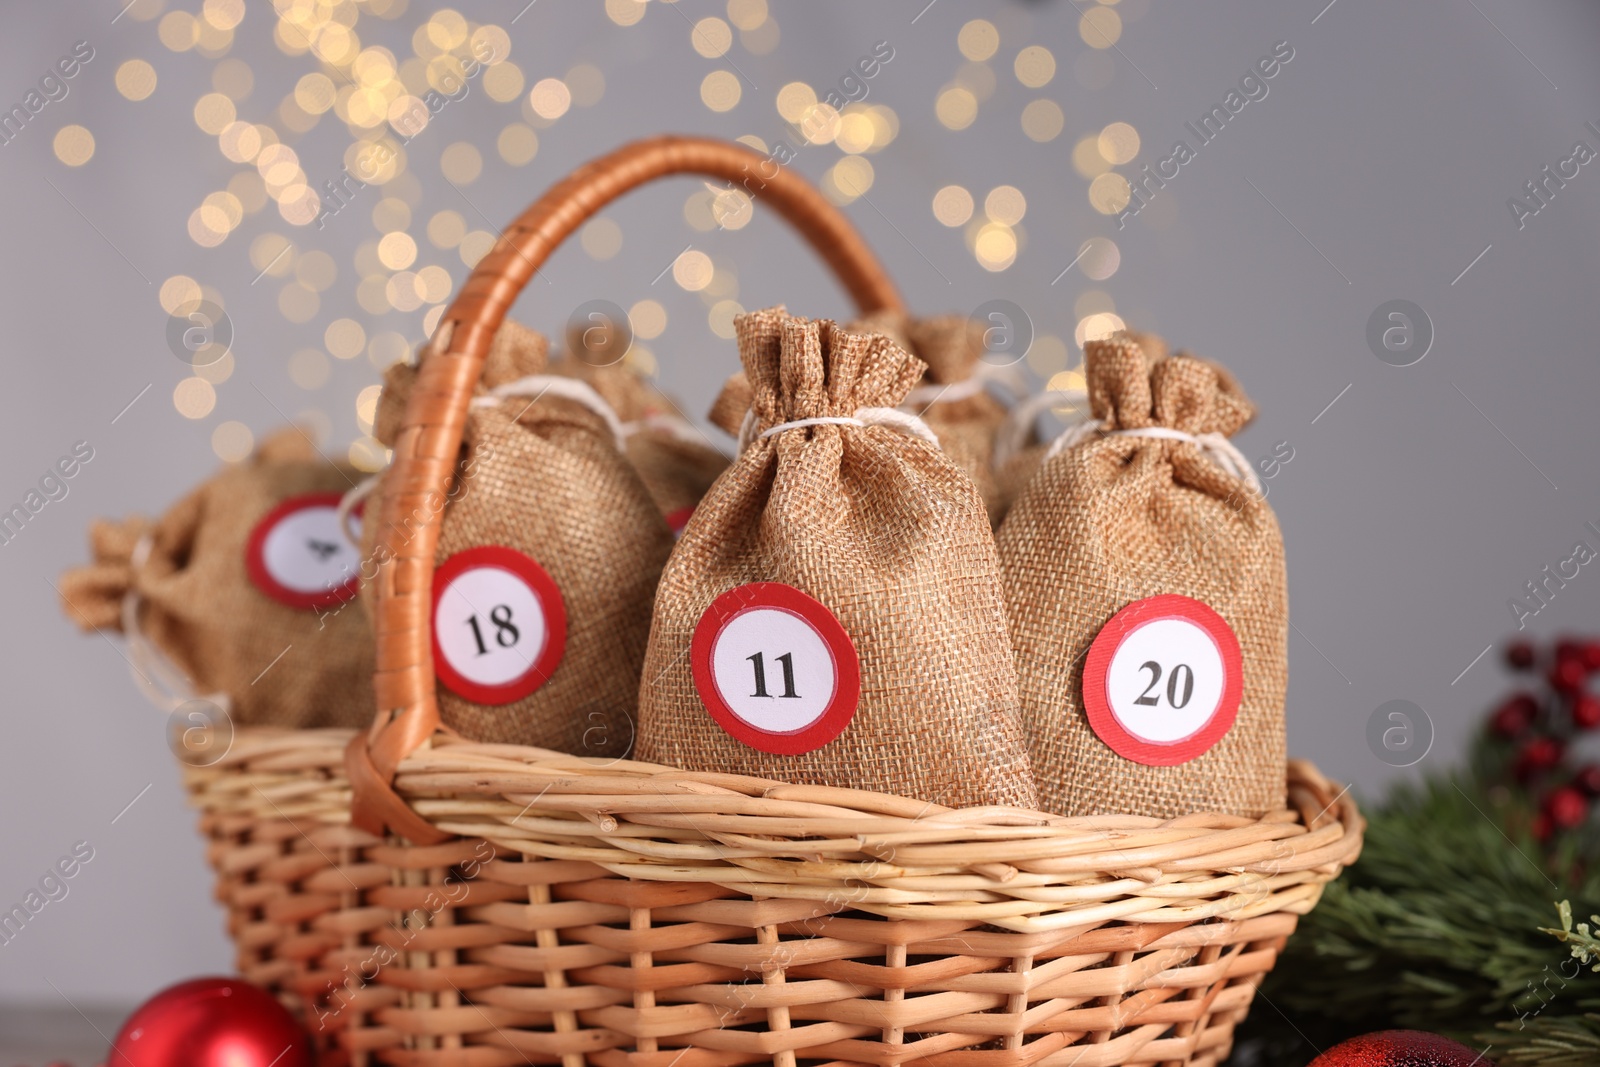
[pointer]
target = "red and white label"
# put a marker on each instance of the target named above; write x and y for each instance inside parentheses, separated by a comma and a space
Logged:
(775, 668)
(298, 556)
(678, 519)
(499, 625)
(1162, 680)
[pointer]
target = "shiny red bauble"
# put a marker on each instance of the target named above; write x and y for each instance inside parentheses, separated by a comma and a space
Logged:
(210, 1022)
(1586, 711)
(1515, 715)
(1400, 1048)
(1567, 807)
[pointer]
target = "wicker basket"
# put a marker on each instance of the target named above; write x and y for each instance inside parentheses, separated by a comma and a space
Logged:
(428, 901)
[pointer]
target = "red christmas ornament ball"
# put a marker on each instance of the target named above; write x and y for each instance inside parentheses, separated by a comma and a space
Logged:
(1567, 807)
(1586, 711)
(1568, 673)
(210, 1022)
(1400, 1048)
(1519, 655)
(1588, 779)
(1515, 715)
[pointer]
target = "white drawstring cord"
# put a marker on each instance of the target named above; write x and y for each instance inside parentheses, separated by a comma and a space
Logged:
(893, 418)
(349, 502)
(1015, 433)
(162, 682)
(670, 424)
(1221, 451)
(983, 374)
(538, 385)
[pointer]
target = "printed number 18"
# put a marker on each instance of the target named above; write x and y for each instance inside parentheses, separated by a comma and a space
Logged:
(500, 615)
(760, 664)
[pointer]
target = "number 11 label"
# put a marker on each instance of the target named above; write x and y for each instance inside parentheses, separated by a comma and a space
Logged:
(499, 625)
(1162, 680)
(775, 668)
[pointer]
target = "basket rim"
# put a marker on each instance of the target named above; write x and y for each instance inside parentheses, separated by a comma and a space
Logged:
(873, 852)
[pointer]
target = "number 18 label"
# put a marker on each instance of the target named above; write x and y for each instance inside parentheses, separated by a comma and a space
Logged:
(499, 625)
(775, 668)
(1162, 680)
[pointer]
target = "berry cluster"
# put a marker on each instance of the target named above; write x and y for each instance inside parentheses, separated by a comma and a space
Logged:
(1543, 727)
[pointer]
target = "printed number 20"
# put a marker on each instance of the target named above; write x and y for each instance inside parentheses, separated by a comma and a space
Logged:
(1174, 698)
(758, 661)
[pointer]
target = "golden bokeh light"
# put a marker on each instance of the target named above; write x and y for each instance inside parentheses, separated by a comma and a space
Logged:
(1118, 143)
(601, 238)
(194, 398)
(397, 250)
(446, 229)
(720, 90)
(503, 82)
(178, 30)
(978, 40)
(711, 37)
(1100, 27)
(232, 441)
(648, 319)
(1109, 193)
(1034, 66)
(1097, 327)
(178, 294)
(1086, 158)
(794, 100)
(747, 14)
(956, 108)
(136, 79)
(952, 205)
(625, 12)
(550, 98)
(995, 246)
(517, 144)
(1005, 204)
(720, 317)
(344, 338)
(213, 112)
(73, 145)
(461, 163)
(1042, 120)
(692, 270)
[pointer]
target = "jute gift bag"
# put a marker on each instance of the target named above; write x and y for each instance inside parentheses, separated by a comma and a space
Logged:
(845, 564)
(548, 555)
(1145, 586)
(675, 460)
(242, 585)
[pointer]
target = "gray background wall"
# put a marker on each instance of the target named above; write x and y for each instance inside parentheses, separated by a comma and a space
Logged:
(1377, 168)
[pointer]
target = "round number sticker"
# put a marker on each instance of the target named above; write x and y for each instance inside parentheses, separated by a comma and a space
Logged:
(775, 669)
(298, 555)
(1162, 680)
(499, 625)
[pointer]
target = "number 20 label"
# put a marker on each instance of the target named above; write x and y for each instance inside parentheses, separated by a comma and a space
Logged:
(499, 625)
(1162, 680)
(775, 668)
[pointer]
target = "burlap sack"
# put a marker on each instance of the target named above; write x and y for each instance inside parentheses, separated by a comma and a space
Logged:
(543, 475)
(1116, 519)
(674, 459)
(1014, 462)
(279, 665)
(891, 538)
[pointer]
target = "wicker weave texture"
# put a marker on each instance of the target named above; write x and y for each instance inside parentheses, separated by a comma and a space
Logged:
(627, 915)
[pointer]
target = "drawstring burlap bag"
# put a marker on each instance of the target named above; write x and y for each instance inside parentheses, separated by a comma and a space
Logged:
(1150, 500)
(675, 460)
(843, 511)
(184, 584)
(952, 397)
(542, 474)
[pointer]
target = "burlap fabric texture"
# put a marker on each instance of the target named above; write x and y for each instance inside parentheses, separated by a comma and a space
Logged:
(674, 459)
(543, 475)
(892, 537)
(1114, 520)
(279, 665)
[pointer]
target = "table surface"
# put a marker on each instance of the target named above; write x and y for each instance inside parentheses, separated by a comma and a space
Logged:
(39, 1036)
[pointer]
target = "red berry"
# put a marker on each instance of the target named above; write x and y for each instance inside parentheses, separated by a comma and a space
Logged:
(1567, 807)
(1519, 655)
(1515, 715)
(1568, 674)
(1542, 827)
(1586, 711)
(1588, 779)
(1591, 655)
(1538, 756)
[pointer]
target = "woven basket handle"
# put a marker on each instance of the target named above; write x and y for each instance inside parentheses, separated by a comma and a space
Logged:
(427, 446)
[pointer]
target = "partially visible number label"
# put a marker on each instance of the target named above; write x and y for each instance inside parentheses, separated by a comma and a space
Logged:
(775, 669)
(1162, 680)
(298, 556)
(499, 625)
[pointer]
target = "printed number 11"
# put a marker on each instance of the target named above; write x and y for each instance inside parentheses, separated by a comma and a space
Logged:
(760, 663)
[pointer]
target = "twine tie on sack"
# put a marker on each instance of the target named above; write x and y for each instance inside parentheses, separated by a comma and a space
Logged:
(579, 392)
(162, 682)
(1012, 437)
(674, 426)
(893, 418)
(974, 384)
(1221, 451)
